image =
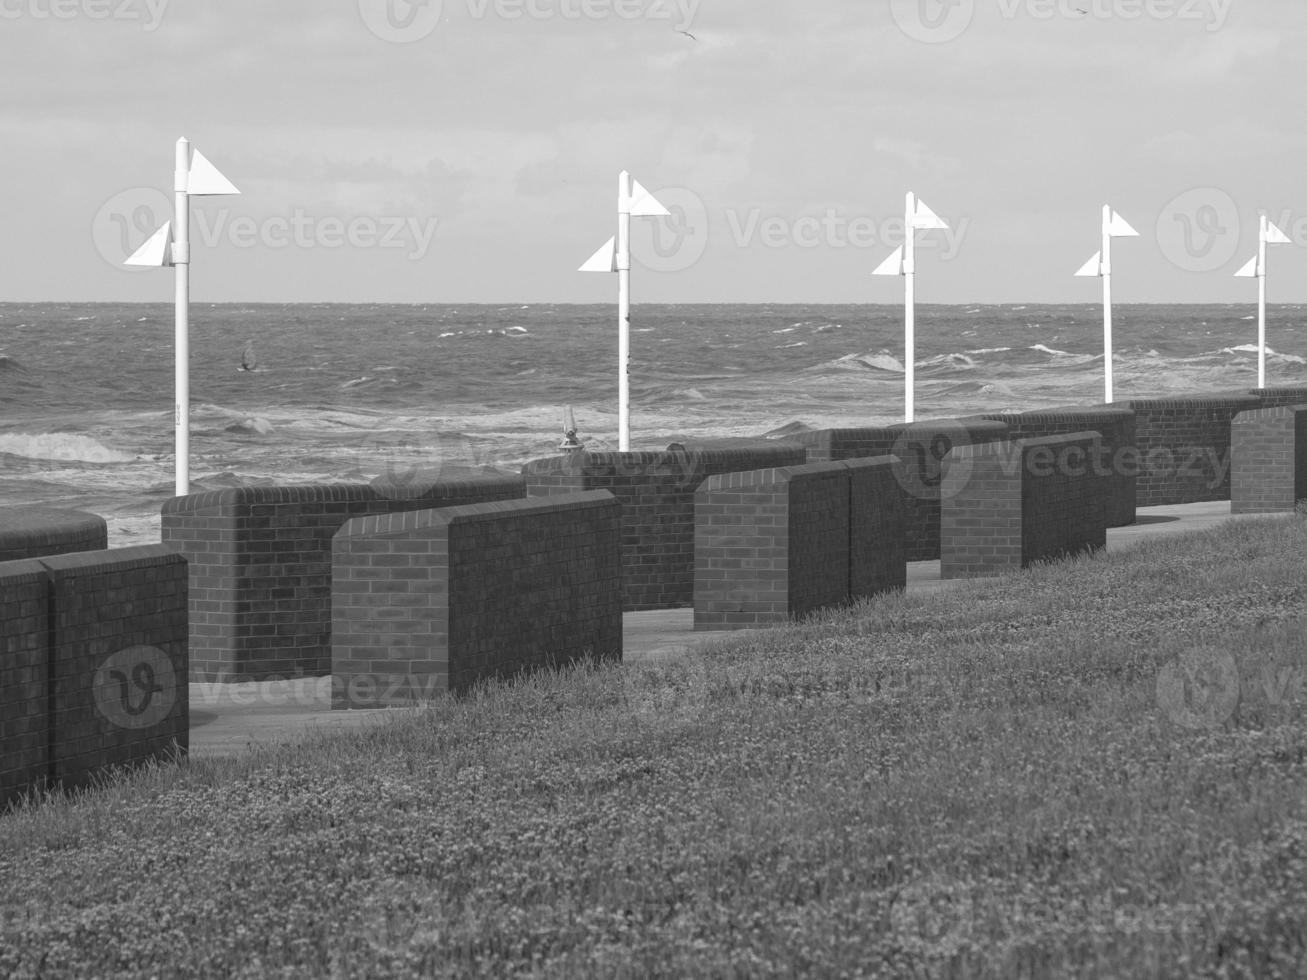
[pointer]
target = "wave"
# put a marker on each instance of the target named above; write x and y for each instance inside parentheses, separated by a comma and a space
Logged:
(60, 446)
(8, 363)
(883, 361)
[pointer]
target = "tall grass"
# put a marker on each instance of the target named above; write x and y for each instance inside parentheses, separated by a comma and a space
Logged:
(983, 782)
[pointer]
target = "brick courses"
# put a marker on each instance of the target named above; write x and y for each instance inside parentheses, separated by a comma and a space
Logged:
(1268, 451)
(261, 566)
(773, 545)
(33, 532)
(921, 448)
(434, 601)
(1118, 458)
(1008, 504)
(656, 491)
(1184, 446)
(95, 659)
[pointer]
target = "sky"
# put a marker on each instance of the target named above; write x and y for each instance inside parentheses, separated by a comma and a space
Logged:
(460, 151)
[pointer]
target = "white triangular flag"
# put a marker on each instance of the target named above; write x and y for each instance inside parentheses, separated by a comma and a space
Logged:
(1249, 271)
(156, 251)
(1118, 227)
(892, 266)
(604, 260)
(926, 218)
(644, 204)
(205, 180)
(1276, 237)
(1094, 267)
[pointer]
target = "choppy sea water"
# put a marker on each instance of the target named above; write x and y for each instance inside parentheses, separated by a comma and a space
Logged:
(347, 393)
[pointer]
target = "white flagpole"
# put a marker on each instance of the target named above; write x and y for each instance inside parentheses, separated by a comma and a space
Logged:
(909, 305)
(1100, 264)
(181, 260)
(623, 311)
(1107, 303)
(1261, 302)
(615, 256)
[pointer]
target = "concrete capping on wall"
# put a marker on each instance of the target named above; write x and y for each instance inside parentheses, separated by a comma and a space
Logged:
(1279, 397)
(33, 532)
(96, 655)
(434, 601)
(922, 448)
(1184, 446)
(1006, 505)
(878, 553)
(656, 491)
(1268, 452)
(261, 566)
(771, 545)
(1119, 460)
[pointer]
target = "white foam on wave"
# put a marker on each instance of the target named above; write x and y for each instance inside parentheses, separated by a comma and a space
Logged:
(884, 361)
(1050, 350)
(990, 350)
(60, 446)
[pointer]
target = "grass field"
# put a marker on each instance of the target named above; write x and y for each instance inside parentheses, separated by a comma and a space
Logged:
(1095, 768)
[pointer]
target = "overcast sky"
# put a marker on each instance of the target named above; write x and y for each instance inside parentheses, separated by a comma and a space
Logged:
(468, 150)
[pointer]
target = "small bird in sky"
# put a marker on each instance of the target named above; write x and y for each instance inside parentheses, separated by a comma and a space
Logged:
(687, 34)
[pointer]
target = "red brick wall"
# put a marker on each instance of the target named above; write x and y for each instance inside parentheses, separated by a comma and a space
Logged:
(1119, 456)
(1184, 447)
(434, 601)
(32, 532)
(878, 553)
(1008, 504)
(656, 491)
(261, 567)
(922, 448)
(95, 655)
(771, 545)
(24, 672)
(1269, 452)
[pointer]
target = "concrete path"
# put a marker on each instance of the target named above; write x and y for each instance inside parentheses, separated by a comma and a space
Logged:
(227, 719)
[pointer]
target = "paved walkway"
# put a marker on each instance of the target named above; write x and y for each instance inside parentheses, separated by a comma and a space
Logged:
(226, 719)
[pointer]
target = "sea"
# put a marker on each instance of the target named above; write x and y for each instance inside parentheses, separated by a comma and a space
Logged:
(353, 393)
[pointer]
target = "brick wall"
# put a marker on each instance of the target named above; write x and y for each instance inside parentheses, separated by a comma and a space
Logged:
(921, 448)
(770, 545)
(1268, 448)
(261, 566)
(878, 554)
(1184, 447)
(96, 655)
(24, 672)
(1119, 459)
(656, 491)
(32, 532)
(1279, 397)
(1008, 504)
(433, 601)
